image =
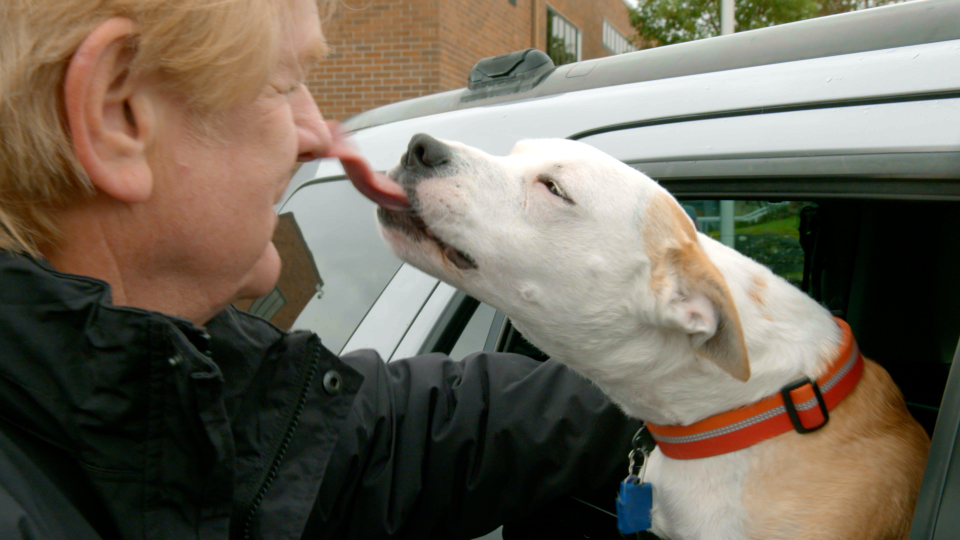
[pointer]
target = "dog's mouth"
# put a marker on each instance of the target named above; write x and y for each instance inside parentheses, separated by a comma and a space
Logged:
(411, 224)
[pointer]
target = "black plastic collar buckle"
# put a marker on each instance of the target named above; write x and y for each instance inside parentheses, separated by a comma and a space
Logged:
(792, 407)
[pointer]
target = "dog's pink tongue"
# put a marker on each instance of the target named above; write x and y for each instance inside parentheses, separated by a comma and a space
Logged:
(376, 186)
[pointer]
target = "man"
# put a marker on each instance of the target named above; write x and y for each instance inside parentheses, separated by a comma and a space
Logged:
(143, 146)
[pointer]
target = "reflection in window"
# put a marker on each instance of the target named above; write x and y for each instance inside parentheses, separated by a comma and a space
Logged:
(339, 227)
(767, 232)
(563, 39)
(299, 277)
(614, 41)
(269, 305)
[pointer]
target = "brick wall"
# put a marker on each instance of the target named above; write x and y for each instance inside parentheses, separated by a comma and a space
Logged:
(474, 29)
(381, 52)
(391, 50)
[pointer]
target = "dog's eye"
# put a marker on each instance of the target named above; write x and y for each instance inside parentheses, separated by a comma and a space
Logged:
(553, 188)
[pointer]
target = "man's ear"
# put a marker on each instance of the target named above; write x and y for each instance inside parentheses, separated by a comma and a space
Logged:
(700, 305)
(109, 114)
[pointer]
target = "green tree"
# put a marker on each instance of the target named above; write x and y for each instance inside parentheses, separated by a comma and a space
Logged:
(665, 22)
(832, 7)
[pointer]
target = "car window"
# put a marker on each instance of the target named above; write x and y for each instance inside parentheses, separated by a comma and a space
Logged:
(389, 320)
(333, 259)
(474, 335)
(767, 232)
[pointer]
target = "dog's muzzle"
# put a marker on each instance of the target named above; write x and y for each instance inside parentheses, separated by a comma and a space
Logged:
(412, 225)
(425, 158)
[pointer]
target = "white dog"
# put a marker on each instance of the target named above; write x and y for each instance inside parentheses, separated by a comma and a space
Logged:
(602, 269)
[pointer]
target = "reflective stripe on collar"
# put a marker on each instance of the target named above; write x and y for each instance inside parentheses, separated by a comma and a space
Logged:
(746, 426)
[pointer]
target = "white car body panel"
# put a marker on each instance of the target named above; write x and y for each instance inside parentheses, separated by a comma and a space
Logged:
(925, 68)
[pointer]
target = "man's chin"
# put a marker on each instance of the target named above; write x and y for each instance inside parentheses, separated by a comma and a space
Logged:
(264, 275)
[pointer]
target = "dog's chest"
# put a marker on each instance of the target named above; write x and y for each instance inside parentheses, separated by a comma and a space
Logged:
(698, 498)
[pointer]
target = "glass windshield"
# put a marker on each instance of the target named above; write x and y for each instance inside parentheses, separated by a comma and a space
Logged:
(335, 265)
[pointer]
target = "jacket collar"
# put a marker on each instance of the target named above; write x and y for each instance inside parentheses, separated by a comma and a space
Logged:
(76, 370)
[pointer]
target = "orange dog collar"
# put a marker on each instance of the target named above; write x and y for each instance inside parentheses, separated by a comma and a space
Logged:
(802, 405)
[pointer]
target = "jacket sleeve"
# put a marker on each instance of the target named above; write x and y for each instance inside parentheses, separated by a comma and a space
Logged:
(14, 523)
(437, 448)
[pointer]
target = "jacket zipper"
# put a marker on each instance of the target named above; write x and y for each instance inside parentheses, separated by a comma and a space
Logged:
(284, 445)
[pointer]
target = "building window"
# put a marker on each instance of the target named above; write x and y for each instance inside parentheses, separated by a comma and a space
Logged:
(563, 39)
(614, 41)
(269, 305)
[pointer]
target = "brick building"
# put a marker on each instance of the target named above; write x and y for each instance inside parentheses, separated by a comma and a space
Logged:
(391, 50)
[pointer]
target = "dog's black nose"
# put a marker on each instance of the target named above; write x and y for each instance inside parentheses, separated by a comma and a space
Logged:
(426, 152)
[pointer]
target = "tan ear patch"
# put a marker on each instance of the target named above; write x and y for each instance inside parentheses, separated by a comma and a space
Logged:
(675, 254)
(666, 225)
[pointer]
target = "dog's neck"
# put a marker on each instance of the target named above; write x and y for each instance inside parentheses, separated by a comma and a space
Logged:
(788, 335)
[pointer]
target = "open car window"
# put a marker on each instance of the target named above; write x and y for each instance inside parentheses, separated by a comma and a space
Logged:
(767, 232)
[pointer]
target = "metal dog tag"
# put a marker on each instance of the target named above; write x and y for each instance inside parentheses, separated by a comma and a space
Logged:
(633, 505)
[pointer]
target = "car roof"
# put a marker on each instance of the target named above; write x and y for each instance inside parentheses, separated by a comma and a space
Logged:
(910, 23)
(917, 72)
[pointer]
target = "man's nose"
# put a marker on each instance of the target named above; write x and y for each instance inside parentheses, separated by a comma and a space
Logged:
(425, 152)
(313, 134)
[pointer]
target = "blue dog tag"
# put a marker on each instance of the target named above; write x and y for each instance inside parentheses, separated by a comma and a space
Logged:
(633, 506)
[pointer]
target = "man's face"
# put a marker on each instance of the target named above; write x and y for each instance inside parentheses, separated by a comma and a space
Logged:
(214, 196)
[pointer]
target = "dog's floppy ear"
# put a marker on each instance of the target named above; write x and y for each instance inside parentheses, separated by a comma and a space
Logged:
(691, 291)
(701, 306)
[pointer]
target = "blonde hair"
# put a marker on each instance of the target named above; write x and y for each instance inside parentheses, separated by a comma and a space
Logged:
(213, 53)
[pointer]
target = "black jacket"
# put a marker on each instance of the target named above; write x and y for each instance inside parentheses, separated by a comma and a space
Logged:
(123, 423)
